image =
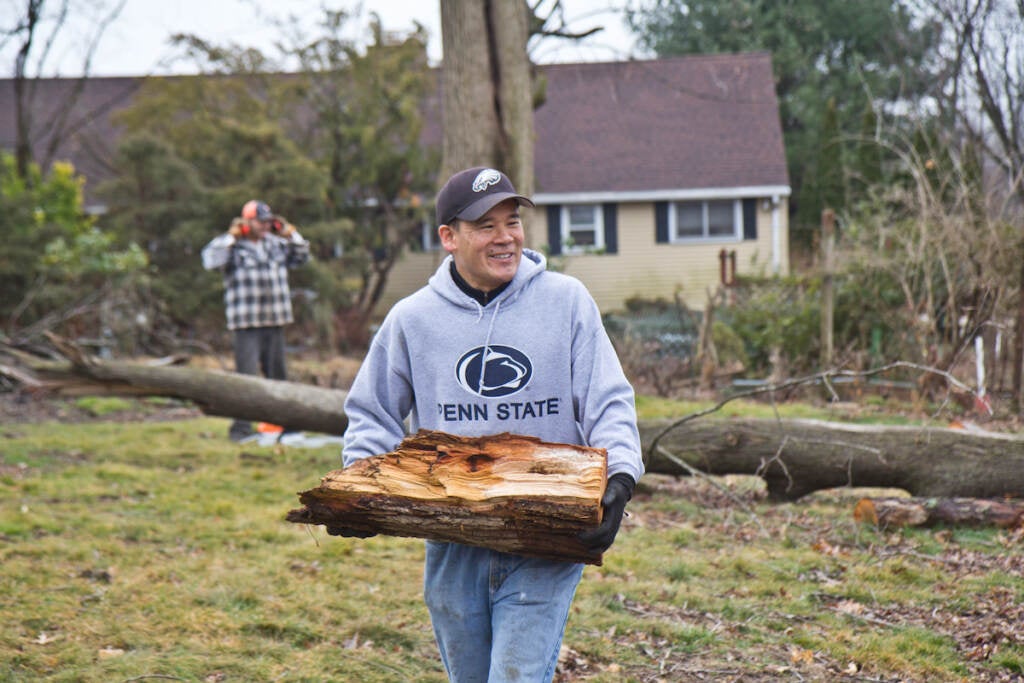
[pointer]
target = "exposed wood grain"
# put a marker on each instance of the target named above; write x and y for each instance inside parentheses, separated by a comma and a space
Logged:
(507, 492)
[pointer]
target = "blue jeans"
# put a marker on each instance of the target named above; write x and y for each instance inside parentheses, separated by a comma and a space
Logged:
(498, 618)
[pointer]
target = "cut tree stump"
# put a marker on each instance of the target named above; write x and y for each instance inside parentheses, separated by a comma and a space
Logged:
(507, 492)
(974, 512)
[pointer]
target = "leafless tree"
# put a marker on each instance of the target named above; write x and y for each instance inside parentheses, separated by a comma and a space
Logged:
(35, 33)
(983, 94)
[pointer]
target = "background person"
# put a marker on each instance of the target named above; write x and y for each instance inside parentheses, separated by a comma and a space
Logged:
(494, 328)
(254, 256)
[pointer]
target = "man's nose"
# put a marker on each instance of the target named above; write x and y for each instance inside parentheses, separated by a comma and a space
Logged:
(503, 233)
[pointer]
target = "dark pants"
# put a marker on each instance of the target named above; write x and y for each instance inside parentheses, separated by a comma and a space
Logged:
(258, 351)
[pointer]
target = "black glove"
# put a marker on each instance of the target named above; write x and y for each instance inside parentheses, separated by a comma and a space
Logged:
(348, 533)
(617, 493)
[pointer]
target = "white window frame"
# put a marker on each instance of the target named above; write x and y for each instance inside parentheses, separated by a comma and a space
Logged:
(568, 247)
(737, 222)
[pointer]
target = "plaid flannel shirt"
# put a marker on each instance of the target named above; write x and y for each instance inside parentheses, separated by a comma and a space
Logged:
(256, 290)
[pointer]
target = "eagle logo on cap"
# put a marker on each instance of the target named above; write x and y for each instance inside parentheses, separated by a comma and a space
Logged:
(485, 179)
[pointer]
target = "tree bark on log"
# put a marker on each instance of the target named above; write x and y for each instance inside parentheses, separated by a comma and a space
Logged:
(506, 492)
(794, 457)
(974, 512)
(797, 457)
(245, 397)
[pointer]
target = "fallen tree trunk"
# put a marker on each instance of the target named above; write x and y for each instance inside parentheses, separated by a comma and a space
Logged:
(297, 406)
(506, 492)
(797, 457)
(794, 457)
(974, 512)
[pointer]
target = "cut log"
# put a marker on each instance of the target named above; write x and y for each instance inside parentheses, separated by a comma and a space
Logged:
(972, 512)
(507, 492)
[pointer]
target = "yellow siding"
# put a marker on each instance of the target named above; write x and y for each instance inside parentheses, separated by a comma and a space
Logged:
(642, 268)
(409, 274)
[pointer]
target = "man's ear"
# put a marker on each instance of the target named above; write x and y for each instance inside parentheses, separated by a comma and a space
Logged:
(447, 235)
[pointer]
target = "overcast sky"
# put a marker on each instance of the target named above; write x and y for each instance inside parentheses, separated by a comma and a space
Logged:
(136, 43)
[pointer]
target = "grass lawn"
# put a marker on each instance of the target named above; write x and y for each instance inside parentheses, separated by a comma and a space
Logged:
(134, 551)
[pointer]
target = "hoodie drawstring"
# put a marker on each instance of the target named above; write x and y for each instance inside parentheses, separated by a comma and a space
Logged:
(487, 345)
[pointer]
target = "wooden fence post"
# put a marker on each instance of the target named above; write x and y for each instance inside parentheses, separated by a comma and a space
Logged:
(1018, 349)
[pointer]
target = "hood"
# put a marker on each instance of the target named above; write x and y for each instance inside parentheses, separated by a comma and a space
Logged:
(531, 265)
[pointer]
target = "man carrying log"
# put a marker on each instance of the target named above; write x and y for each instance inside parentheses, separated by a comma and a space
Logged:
(496, 343)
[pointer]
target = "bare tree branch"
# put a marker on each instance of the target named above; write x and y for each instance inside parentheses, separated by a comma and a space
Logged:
(29, 64)
(823, 377)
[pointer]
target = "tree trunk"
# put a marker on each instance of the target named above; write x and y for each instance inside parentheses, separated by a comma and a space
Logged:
(797, 457)
(794, 457)
(514, 91)
(22, 103)
(510, 493)
(931, 512)
(471, 123)
(244, 397)
(487, 92)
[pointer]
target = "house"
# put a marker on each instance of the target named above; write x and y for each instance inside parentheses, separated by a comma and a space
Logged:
(649, 172)
(652, 177)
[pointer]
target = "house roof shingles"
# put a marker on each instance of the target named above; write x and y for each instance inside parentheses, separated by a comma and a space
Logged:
(688, 122)
(697, 122)
(90, 137)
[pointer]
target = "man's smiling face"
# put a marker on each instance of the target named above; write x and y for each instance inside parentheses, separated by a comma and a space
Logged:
(487, 251)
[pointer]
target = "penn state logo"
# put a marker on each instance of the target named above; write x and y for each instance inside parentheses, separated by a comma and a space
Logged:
(485, 179)
(503, 371)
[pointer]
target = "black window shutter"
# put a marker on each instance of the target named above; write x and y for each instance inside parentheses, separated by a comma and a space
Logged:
(750, 219)
(661, 222)
(554, 229)
(611, 228)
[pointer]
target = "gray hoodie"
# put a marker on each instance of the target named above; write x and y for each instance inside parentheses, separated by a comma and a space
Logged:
(549, 369)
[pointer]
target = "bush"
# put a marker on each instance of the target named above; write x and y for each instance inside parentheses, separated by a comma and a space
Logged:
(776, 316)
(658, 342)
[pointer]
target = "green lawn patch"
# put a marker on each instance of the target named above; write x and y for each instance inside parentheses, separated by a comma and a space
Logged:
(134, 550)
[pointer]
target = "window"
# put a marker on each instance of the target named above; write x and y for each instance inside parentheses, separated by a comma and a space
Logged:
(720, 219)
(582, 228)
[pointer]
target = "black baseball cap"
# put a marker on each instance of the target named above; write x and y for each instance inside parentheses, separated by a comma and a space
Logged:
(471, 193)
